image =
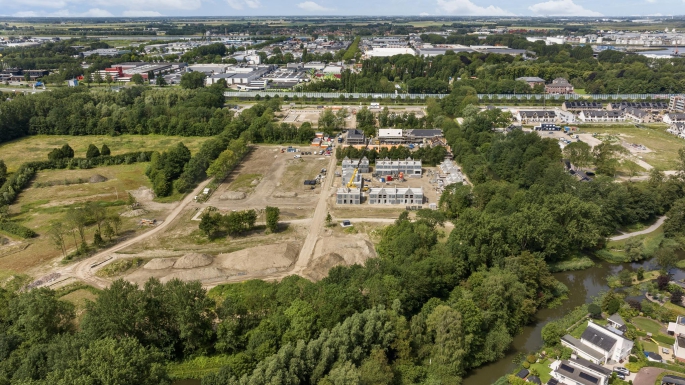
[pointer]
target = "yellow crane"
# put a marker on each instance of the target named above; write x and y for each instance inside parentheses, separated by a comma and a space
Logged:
(350, 183)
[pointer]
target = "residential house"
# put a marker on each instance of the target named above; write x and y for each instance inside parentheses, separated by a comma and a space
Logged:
(608, 341)
(349, 196)
(647, 106)
(677, 129)
(347, 176)
(677, 103)
(394, 167)
(396, 196)
(422, 135)
(578, 371)
(639, 116)
(617, 322)
(531, 80)
(582, 350)
(355, 137)
(536, 116)
(363, 164)
(559, 86)
(677, 329)
(674, 117)
(601, 116)
(573, 105)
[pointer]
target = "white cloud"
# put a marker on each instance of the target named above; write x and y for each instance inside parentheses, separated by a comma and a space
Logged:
(95, 12)
(25, 14)
(561, 8)
(428, 14)
(651, 1)
(137, 5)
(467, 8)
(43, 4)
(311, 6)
(134, 13)
(240, 4)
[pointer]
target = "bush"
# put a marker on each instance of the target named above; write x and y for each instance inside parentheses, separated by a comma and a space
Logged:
(531, 358)
(595, 311)
(632, 359)
(16, 229)
(526, 364)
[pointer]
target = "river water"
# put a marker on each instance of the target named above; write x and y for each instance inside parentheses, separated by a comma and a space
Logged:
(582, 285)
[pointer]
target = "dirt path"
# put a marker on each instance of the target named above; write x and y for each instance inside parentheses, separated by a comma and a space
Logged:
(83, 269)
(647, 376)
(316, 223)
(648, 230)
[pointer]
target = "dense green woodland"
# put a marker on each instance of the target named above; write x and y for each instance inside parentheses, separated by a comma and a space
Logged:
(424, 312)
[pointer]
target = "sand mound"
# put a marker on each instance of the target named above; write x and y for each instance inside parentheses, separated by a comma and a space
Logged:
(97, 178)
(352, 249)
(318, 268)
(264, 259)
(193, 260)
(143, 194)
(285, 195)
(133, 213)
(255, 182)
(160, 263)
(200, 274)
(232, 196)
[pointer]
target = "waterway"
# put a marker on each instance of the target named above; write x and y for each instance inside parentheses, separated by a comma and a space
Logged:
(582, 285)
(665, 52)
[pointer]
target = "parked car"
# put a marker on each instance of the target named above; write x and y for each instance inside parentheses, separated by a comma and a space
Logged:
(622, 370)
(620, 375)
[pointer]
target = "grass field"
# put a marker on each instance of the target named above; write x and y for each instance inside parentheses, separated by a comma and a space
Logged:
(664, 146)
(578, 331)
(37, 147)
(36, 208)
(648, 346)
(544, 370)
(647, 325)
(615, 250)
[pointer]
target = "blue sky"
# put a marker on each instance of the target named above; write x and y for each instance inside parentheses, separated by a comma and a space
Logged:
(104, 8)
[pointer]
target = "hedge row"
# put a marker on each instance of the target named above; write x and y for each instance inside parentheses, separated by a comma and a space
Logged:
(16, 229)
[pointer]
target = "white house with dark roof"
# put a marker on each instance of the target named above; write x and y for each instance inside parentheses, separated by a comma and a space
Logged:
(536, 116)
(578, 371)
(674, 118)
(617, 322)
(609, 342)
(396, 196)
(601, 116)
(677, 329)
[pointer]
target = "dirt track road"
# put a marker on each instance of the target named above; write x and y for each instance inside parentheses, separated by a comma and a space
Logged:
(316, 223)
(82, 270)
(648, 230)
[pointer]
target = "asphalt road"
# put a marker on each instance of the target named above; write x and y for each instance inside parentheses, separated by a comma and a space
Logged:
(648, 230)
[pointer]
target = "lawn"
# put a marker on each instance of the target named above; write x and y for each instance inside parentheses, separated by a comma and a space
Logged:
(664, 146)
(32, 148)
(614, 251)
(648, 346)
(647, 325)
(578, 331)
(543, 369)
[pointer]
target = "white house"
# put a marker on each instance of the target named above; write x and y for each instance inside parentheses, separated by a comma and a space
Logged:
(536, 116)
(674, 118)
(608, 341)
(601, 116)
(677, 329)
(578, 371)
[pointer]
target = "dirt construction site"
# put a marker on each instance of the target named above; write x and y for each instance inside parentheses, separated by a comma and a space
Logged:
(304, 244)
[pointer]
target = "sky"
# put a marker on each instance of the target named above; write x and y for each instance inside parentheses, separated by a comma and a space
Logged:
(138, 8)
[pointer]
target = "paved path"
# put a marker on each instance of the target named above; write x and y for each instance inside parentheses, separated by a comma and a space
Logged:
(648, 230)
(647, 376)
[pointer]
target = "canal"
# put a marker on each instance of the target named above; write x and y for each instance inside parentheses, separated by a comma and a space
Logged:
(582, 285)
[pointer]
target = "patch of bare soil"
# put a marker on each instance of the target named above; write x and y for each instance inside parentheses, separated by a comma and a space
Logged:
(160, 263)
(134, 213)
(285, 195)
(260, 259)
(331, 251)
(193, 260)
(232, 196)
(142, 194)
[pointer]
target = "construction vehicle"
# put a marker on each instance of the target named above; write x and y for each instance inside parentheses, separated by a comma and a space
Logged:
(350, 183)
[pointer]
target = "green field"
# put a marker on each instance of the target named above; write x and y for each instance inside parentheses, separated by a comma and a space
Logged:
(37, 147)
(663, 146)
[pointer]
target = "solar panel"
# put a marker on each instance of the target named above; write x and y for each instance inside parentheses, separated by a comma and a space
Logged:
(566, 368)
(553, 381)
(588, 377)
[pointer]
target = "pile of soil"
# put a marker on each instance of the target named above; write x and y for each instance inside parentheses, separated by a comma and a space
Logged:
(200, 274)
(97, 178)
(285, 195)
(318, 268)
(134, 213)
(143, 194)
(232, 196)
(160, 263)
(264, 259)
(193, 260)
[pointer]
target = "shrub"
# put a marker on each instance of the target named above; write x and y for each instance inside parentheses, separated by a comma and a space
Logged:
(526, 364)
(531, 358)
(632, 359)
(595, 311)
(16, 229)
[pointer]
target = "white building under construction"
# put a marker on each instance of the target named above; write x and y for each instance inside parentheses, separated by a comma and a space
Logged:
(351, 164)
(408, 166)
(349, 196)
(396, 196)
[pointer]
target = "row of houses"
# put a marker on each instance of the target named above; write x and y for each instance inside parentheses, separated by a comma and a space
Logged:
(597, 116)
(381, 196)
(395, 136)
(384, 167)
